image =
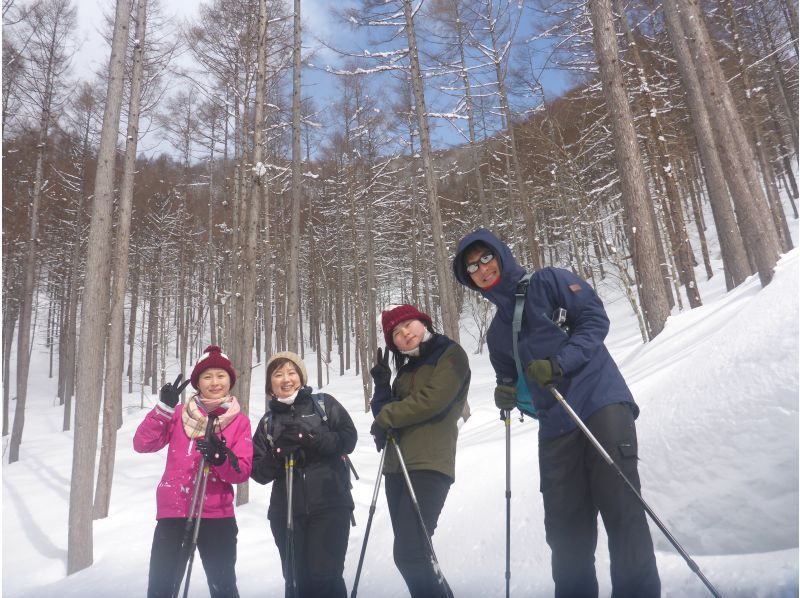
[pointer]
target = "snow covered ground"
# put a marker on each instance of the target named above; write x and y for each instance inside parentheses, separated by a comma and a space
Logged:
(718, 436)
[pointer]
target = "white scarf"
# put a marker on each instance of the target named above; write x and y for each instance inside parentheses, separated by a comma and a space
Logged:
(415, 351)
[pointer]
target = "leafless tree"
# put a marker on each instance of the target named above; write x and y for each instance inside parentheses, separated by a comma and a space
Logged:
(48, 58)
(94, 312)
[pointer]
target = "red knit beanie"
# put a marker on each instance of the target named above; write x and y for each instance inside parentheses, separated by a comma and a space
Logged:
(392, 317)
(212, 357)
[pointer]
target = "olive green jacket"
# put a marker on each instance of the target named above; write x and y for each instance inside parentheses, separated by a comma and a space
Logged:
(429, 394)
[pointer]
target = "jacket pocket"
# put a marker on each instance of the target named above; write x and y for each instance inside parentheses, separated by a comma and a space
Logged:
(628, 449)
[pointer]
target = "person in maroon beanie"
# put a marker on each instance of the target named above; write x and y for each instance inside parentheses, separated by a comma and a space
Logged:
(229, 453)
(422, 408)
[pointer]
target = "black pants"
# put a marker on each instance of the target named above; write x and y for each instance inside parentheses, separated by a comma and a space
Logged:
(411, 552)
(320, 545)
(216, 543)
(576, 483)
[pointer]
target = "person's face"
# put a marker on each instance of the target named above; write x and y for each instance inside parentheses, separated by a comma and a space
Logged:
(285, 381)
(486, 274)
(408, 334)
(214, 383)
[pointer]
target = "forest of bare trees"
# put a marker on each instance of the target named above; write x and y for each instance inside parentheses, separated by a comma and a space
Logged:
(285, 218)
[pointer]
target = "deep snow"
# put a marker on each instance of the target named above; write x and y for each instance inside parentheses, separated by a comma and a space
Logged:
(718, 436)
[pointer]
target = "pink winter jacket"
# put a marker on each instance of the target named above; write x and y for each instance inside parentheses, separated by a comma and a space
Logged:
(174, 492)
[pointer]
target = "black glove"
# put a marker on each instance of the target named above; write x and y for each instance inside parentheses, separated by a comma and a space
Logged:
(170, 394)
(545, 371)
(505, 397)
(289, 438)
(214, 450)
(379, 435)
(381, 372)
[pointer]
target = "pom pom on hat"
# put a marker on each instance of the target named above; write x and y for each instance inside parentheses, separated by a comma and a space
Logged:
(392, 317)
(212, 357)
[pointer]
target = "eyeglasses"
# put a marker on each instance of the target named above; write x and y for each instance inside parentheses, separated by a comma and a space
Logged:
(472, 267)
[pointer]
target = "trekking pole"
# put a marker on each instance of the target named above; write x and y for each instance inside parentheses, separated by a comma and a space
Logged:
(369, 523)
(355, 473)
(692, 565)
(291, 573)
(192, 529)
(434, 561)
(505, 415)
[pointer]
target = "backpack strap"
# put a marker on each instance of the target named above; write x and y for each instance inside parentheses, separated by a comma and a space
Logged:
(319, 404)
(523, 392)
(269, 427)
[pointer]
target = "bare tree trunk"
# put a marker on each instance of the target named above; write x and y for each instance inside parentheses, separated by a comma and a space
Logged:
(767, 172)
(676, 225)
(10, 316)
(755, 221)
(635, 195)
(29, 276)
(522, 187)
(734, 256)
(358, 302)
(94, 314)
(779, 79)
(341, 331)
(66, 359)
(293, 293)
(790, 14)
(461, 35)
(443, 276)
(112, 389)
(244, 352)
(698, 218)
(266, 261)
(132, 323)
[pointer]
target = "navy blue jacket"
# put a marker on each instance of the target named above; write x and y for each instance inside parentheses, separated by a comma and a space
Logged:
(591, 378)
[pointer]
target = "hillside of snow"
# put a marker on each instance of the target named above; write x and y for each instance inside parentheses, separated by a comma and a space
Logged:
(718, 437)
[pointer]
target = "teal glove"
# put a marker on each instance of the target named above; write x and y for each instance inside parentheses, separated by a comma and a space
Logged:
(545, 371)
(505, 397)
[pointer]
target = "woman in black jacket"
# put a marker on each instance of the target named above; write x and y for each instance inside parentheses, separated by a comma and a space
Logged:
(318, 432)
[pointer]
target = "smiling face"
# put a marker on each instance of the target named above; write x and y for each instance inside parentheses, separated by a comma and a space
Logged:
(487, 274)
(214, 383)
(408, 334)
(285, 381)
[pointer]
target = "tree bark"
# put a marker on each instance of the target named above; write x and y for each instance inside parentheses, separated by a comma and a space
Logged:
(734, 256)
(676, 225)
(635, 195)
(293, 291)
(94, 314)
(112, 388)
(443, 276)
(752, 209)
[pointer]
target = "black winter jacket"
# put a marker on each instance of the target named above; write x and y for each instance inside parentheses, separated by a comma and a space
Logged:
(321, 476)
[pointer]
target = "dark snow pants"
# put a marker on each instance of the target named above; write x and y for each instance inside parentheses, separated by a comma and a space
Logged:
(320, 545)
(216, 543)
(576, 483)
(411, 552)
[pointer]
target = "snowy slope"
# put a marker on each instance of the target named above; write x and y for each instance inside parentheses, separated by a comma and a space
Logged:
(718, 436)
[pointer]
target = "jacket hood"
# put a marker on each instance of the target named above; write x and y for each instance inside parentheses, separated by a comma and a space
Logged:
(502, 293)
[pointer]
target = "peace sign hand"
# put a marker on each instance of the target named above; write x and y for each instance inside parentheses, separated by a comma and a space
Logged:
(170, 394)
(381, 372)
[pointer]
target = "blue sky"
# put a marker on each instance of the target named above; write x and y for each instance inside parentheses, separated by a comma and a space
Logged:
(319, 23)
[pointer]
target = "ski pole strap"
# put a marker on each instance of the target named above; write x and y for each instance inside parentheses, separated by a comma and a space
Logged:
(523, 393)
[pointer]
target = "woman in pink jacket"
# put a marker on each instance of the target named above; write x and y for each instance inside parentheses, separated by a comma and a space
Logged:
(229, 452)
